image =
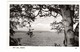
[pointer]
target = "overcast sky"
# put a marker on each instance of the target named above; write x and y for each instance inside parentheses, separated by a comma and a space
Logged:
(42, 24)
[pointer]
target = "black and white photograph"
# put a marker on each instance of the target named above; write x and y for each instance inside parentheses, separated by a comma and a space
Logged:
(55, 25)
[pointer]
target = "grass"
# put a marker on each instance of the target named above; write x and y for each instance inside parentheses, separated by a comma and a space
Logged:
(40, 38)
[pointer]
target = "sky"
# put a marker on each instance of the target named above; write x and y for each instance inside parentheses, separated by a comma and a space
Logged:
(42, 23)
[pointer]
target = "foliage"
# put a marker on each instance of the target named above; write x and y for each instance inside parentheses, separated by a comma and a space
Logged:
(27, 13)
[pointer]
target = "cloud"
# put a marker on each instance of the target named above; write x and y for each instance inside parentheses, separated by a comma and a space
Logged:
(23, 29)
(41, 27)
(39, 24)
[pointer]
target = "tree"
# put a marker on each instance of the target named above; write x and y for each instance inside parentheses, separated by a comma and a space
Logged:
(68, 25)
(68, 13)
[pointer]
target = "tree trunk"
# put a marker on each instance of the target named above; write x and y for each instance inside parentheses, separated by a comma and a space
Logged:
(68, 26)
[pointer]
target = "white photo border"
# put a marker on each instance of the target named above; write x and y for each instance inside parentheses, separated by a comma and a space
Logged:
(39, 47)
